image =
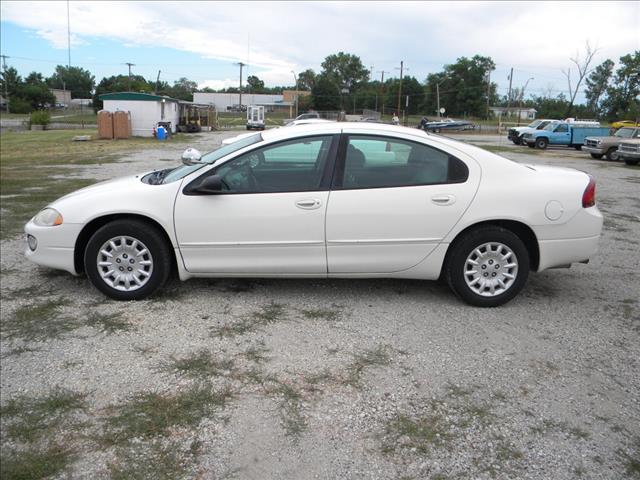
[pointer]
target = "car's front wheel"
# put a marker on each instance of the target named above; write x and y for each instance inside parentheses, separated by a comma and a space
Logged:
(488, 266)
(127, 260)
(541, 143)
(613, 155)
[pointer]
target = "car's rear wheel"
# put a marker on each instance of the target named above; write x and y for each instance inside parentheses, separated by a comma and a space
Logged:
(597, 156)
(127, 260)
(542, 143)
(488, 266)
(631, 162)
(612, 154)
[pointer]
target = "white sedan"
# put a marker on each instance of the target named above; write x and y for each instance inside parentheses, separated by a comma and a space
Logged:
(355, 200)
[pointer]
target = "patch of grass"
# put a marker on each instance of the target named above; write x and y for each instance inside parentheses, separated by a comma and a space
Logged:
(267, 314)
(290, 407)
(35, 463)
(150, 415)
(158, 461)
(374, 357)
(200, 364)
(328, 314)
(421, 433)
(110, 324)
(40, 321)
(256, 353)
(29, 419)
(506, 452)
(550, 425)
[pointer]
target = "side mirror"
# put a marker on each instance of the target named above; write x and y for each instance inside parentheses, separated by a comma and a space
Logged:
(209, 185)
(191, 156)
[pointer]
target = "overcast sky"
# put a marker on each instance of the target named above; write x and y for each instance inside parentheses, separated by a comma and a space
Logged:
(202, 40)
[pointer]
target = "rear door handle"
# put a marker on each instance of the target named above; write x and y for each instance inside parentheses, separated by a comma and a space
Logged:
(443, 199)
(309, 204)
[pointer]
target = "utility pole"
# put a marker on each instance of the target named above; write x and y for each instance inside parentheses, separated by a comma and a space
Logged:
(488, 91)
(4, 69)
(400, 88)
(157, 83)
(129, 81)
(68, 37)
(509, 94)
(240, 89)
(382, 72)
(438, 96)
(295, 79)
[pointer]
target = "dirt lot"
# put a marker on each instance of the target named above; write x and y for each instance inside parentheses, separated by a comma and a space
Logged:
(274, 379)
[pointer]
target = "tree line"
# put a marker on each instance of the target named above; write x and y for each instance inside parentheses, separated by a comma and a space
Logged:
(463, 88)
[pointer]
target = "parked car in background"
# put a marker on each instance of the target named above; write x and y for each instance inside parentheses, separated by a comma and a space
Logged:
(601, 146)
(515, 134)
(330, 200)
(629, 151)
(625, 123)
(570, 134)
(444, 124)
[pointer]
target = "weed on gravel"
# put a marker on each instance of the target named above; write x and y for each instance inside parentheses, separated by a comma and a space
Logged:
(327, 314)
(35, 463)
(29, 419)
(200, 364)
(374, 357)
(108, 323)
(158, 461)
(39, 321)
(268, 314)
(149, 415)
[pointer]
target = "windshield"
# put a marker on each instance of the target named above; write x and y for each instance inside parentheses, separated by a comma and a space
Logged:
(626, 133)
(209, 158)
(551, 126)
(535, 123)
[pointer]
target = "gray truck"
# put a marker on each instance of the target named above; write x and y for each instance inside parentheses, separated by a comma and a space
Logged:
(608, 146)
(629, 151)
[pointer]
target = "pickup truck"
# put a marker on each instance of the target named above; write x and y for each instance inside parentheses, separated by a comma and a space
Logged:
(515, 134)
(629, 151)
(600, 146)
(564, 133)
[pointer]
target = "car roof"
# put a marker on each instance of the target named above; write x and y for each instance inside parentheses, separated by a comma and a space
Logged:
(340, 127)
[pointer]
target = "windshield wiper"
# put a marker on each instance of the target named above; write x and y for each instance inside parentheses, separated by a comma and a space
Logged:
(158, 176)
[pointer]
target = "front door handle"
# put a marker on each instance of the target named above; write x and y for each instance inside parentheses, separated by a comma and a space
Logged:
(309, 204)
(443, 199)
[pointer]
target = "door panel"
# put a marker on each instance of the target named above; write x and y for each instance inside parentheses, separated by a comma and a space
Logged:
(377, 225)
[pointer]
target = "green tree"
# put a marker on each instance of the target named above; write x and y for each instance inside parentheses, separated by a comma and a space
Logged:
(597, 83)
(326, 94)
(75, 79)
(11, 79)
(183, 89)
(345, 70)
(120, 83)
(255, 85)
(622, 94)
(410, 86)
(306, 79)
(463, 87)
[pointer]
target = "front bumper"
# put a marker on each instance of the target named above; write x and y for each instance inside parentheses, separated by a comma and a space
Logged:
(629, 155)
(55, 248)
(596, 150)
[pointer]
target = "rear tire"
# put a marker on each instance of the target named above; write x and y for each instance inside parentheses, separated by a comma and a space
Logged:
(488, 266)
(542, 143)
(597, 156)
(631, 162)
(578, 147)
(127, 259)
(613, 155)
(531, 145)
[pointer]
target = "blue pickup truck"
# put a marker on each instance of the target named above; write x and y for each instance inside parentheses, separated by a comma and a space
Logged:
(564, 133)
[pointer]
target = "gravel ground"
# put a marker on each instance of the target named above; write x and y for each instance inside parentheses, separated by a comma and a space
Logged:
(332, 378)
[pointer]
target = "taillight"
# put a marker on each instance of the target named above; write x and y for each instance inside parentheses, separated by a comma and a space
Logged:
(589, 195)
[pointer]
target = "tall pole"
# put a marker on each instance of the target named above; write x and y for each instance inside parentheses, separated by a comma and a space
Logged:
(295, 79)
(400, 88)
(240, 89)
(488, 91)
(438, 98)
(509, 94)
(4, 69)
(157, 83)
(382, 72)
(129, 81)
(68, 36)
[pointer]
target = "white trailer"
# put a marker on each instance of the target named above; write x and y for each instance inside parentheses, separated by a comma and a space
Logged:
(255, 117)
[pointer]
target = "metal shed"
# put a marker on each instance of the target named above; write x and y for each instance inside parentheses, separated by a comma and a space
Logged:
(147, 110)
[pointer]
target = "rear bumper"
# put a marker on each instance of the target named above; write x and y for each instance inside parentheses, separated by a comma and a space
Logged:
(557, 253)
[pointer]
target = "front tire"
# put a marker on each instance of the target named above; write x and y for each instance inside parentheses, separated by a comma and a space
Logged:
(613, 155)
(127, 260)
(488, 266)
(542, 143)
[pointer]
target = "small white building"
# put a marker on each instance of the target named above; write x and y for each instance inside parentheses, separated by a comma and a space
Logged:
(147, 110)
(223, 101)
(511, 112)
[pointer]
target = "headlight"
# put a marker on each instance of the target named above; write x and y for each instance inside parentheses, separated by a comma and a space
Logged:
(598, 142)
(48, 217)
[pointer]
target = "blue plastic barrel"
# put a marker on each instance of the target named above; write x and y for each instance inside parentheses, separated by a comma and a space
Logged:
(161, 133)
